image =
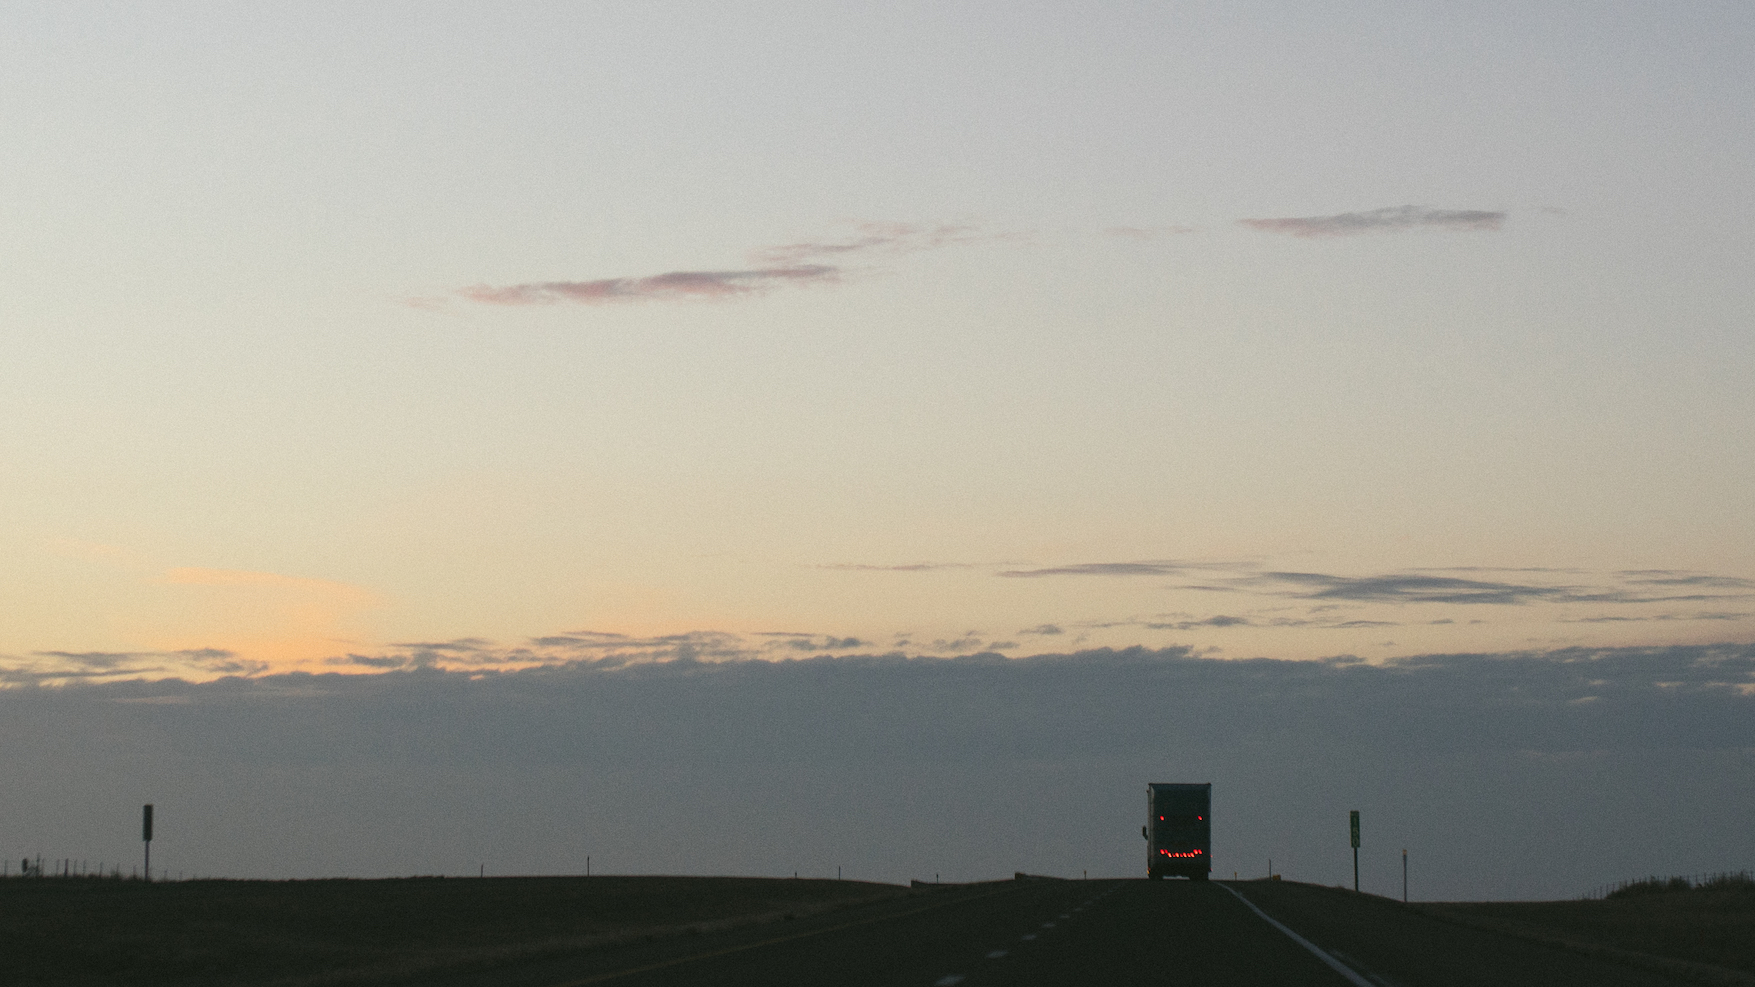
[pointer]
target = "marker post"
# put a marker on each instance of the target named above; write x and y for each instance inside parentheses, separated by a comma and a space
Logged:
(146, 835)
(1353, 824)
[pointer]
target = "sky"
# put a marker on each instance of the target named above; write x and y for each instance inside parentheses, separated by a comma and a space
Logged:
(455, 338)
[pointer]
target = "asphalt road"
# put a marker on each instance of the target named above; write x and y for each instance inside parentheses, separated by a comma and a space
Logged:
(1079, 932)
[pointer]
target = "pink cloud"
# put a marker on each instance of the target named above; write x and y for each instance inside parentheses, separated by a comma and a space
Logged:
(672, 285)
(792, 263)
(883, 238)
(1148, 232)
(1384, 220)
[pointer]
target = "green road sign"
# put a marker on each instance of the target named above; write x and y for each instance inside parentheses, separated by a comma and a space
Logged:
(1353, 820)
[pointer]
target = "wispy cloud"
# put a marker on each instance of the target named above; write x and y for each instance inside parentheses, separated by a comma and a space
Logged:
(1547, 570)
(1099, 569)
(1661, 617)
(807, 262)
(811, 643)
(673, 285)
(1451, 585)
(904, 567)
(1425, 586)
(881, 239)
(1221, 621)
(64, 667)
(1670, 577)
(1327, 598)
(1390, 219)
(598, 648)
(969, 642)
(1422, 588)
(1149, 232)
(1409, 588)
(1255, 601)
(1217, 620)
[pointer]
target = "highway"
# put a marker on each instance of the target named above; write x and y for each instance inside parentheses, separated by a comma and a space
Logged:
(1042, 932)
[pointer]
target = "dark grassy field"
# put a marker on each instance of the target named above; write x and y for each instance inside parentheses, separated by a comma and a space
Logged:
(1703, 925)
(92, 931)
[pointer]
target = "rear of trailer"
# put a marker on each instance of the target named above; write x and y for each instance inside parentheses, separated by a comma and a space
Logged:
(1179, 831)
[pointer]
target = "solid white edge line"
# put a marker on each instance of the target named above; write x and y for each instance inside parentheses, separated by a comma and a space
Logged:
(1339, 967)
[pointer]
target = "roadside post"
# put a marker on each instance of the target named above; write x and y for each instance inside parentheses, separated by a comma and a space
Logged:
(1404, 875)
(1353, 822)
(146, 835)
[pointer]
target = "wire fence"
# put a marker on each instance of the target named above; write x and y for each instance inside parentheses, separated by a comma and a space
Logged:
(1730, 880)
(69, 868)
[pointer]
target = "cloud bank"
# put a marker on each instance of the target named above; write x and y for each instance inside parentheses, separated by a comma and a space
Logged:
(67, 667)
(1387, 220)
(1587, 765)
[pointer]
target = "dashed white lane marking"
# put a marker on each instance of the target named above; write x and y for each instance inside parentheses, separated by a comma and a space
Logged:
(1048, 925)
(996, 954)
(1065, 917)
(1029, 937)
(948, 980)
(1338, 967)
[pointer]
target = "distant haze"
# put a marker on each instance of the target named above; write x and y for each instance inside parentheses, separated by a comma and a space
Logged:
(1505, 776)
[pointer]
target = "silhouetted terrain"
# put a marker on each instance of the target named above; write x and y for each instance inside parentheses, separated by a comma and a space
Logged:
(663, 930)
(87, 931)
(1714, 925)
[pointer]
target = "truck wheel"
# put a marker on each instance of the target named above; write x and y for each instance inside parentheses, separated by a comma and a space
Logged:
(1199, 877)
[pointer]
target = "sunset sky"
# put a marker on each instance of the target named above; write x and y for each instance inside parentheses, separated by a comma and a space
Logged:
(345, 337)
(439, 436)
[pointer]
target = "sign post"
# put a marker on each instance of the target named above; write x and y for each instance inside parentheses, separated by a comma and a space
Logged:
(1353, 821)
(146, 835)
(1404, 875)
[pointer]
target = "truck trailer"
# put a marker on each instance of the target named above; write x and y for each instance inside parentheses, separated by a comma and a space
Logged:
(1179, 831)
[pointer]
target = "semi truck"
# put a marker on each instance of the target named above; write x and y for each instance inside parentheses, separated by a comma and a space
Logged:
(1179, 831)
